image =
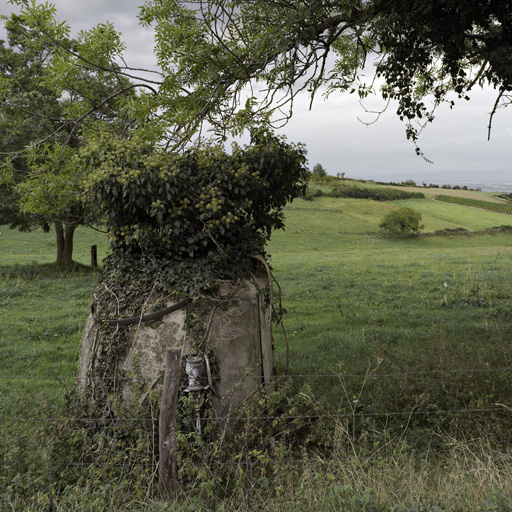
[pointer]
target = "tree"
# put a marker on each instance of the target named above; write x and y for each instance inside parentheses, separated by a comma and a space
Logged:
(214, 51)
(402, 221)
(319, 171)
(41, 183)
(213, 54)
(24, 97)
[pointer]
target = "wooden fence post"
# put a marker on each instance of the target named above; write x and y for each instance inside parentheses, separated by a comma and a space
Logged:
(167, 425)
(94, 255)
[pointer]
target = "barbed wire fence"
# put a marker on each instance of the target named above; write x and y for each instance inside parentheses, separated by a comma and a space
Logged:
(299, 376)
(47, 417)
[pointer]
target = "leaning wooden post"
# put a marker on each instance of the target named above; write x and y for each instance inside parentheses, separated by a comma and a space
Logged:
(167, 425)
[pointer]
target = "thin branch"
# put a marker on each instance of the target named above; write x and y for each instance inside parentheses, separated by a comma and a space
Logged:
(494, 108)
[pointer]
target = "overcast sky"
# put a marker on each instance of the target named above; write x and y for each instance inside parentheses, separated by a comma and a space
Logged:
(456, 141)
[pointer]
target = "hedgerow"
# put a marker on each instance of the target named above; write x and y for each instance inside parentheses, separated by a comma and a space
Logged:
(377, 194)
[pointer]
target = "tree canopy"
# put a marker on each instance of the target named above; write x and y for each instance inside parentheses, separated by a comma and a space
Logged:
(319, 171)
(41, 182)
(214, 52)
(227, 65)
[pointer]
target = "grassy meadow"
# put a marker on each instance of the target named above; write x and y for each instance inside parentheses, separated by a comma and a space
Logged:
(400, 346)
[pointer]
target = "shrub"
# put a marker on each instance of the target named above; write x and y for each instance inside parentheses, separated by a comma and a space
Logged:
(311, 193)
(402, 221)
(196, 204)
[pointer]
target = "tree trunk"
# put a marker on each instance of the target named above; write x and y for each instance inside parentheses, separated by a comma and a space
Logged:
(64, 232)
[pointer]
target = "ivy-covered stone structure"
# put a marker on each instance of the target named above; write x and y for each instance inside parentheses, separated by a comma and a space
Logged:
(187, 229)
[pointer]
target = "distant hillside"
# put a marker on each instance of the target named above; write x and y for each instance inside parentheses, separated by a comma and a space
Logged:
(488, 180)
(381, 191)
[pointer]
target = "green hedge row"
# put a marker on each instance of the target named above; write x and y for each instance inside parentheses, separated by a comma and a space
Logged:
(377, 194)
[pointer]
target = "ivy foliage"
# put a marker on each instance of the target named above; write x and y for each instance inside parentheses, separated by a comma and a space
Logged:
(179, 223)
(202, 203)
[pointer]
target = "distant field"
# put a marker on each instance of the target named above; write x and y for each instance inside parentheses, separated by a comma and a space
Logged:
(356, 300)
(353, 297)
(363, 216)
(473, 194)
(430, 192)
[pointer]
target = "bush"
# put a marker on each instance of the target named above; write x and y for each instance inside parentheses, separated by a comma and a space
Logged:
(402, 221)
(311, 193)
(197, 204)
(319, 171)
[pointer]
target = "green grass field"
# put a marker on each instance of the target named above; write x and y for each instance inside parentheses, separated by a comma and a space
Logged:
(353, 297)
(418, 325)
(39, 247)
(355, 300)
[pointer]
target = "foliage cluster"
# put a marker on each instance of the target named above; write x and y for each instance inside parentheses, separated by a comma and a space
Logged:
(311, 193)
(377, 194)
(451, 232)
(323, 178)
(43, 102)
(402, 221)
(406, 183)
(431, 47)
(454, 187)
(507, 196)
(203, 203)
(423, 49)
(318, 171)
(358, 192)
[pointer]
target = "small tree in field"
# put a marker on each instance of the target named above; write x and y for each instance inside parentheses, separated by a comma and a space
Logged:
(402, 221)
(319, 171)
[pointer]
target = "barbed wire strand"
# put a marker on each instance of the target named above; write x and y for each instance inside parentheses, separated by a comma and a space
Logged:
(284, 377)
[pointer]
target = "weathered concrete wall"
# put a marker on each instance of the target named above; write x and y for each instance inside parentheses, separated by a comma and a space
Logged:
(233, 327)
(148, 344)
(236, 341)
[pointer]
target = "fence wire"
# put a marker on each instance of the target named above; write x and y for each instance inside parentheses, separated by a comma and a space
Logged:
(271, 425)
(335, 415)
(334, 375)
